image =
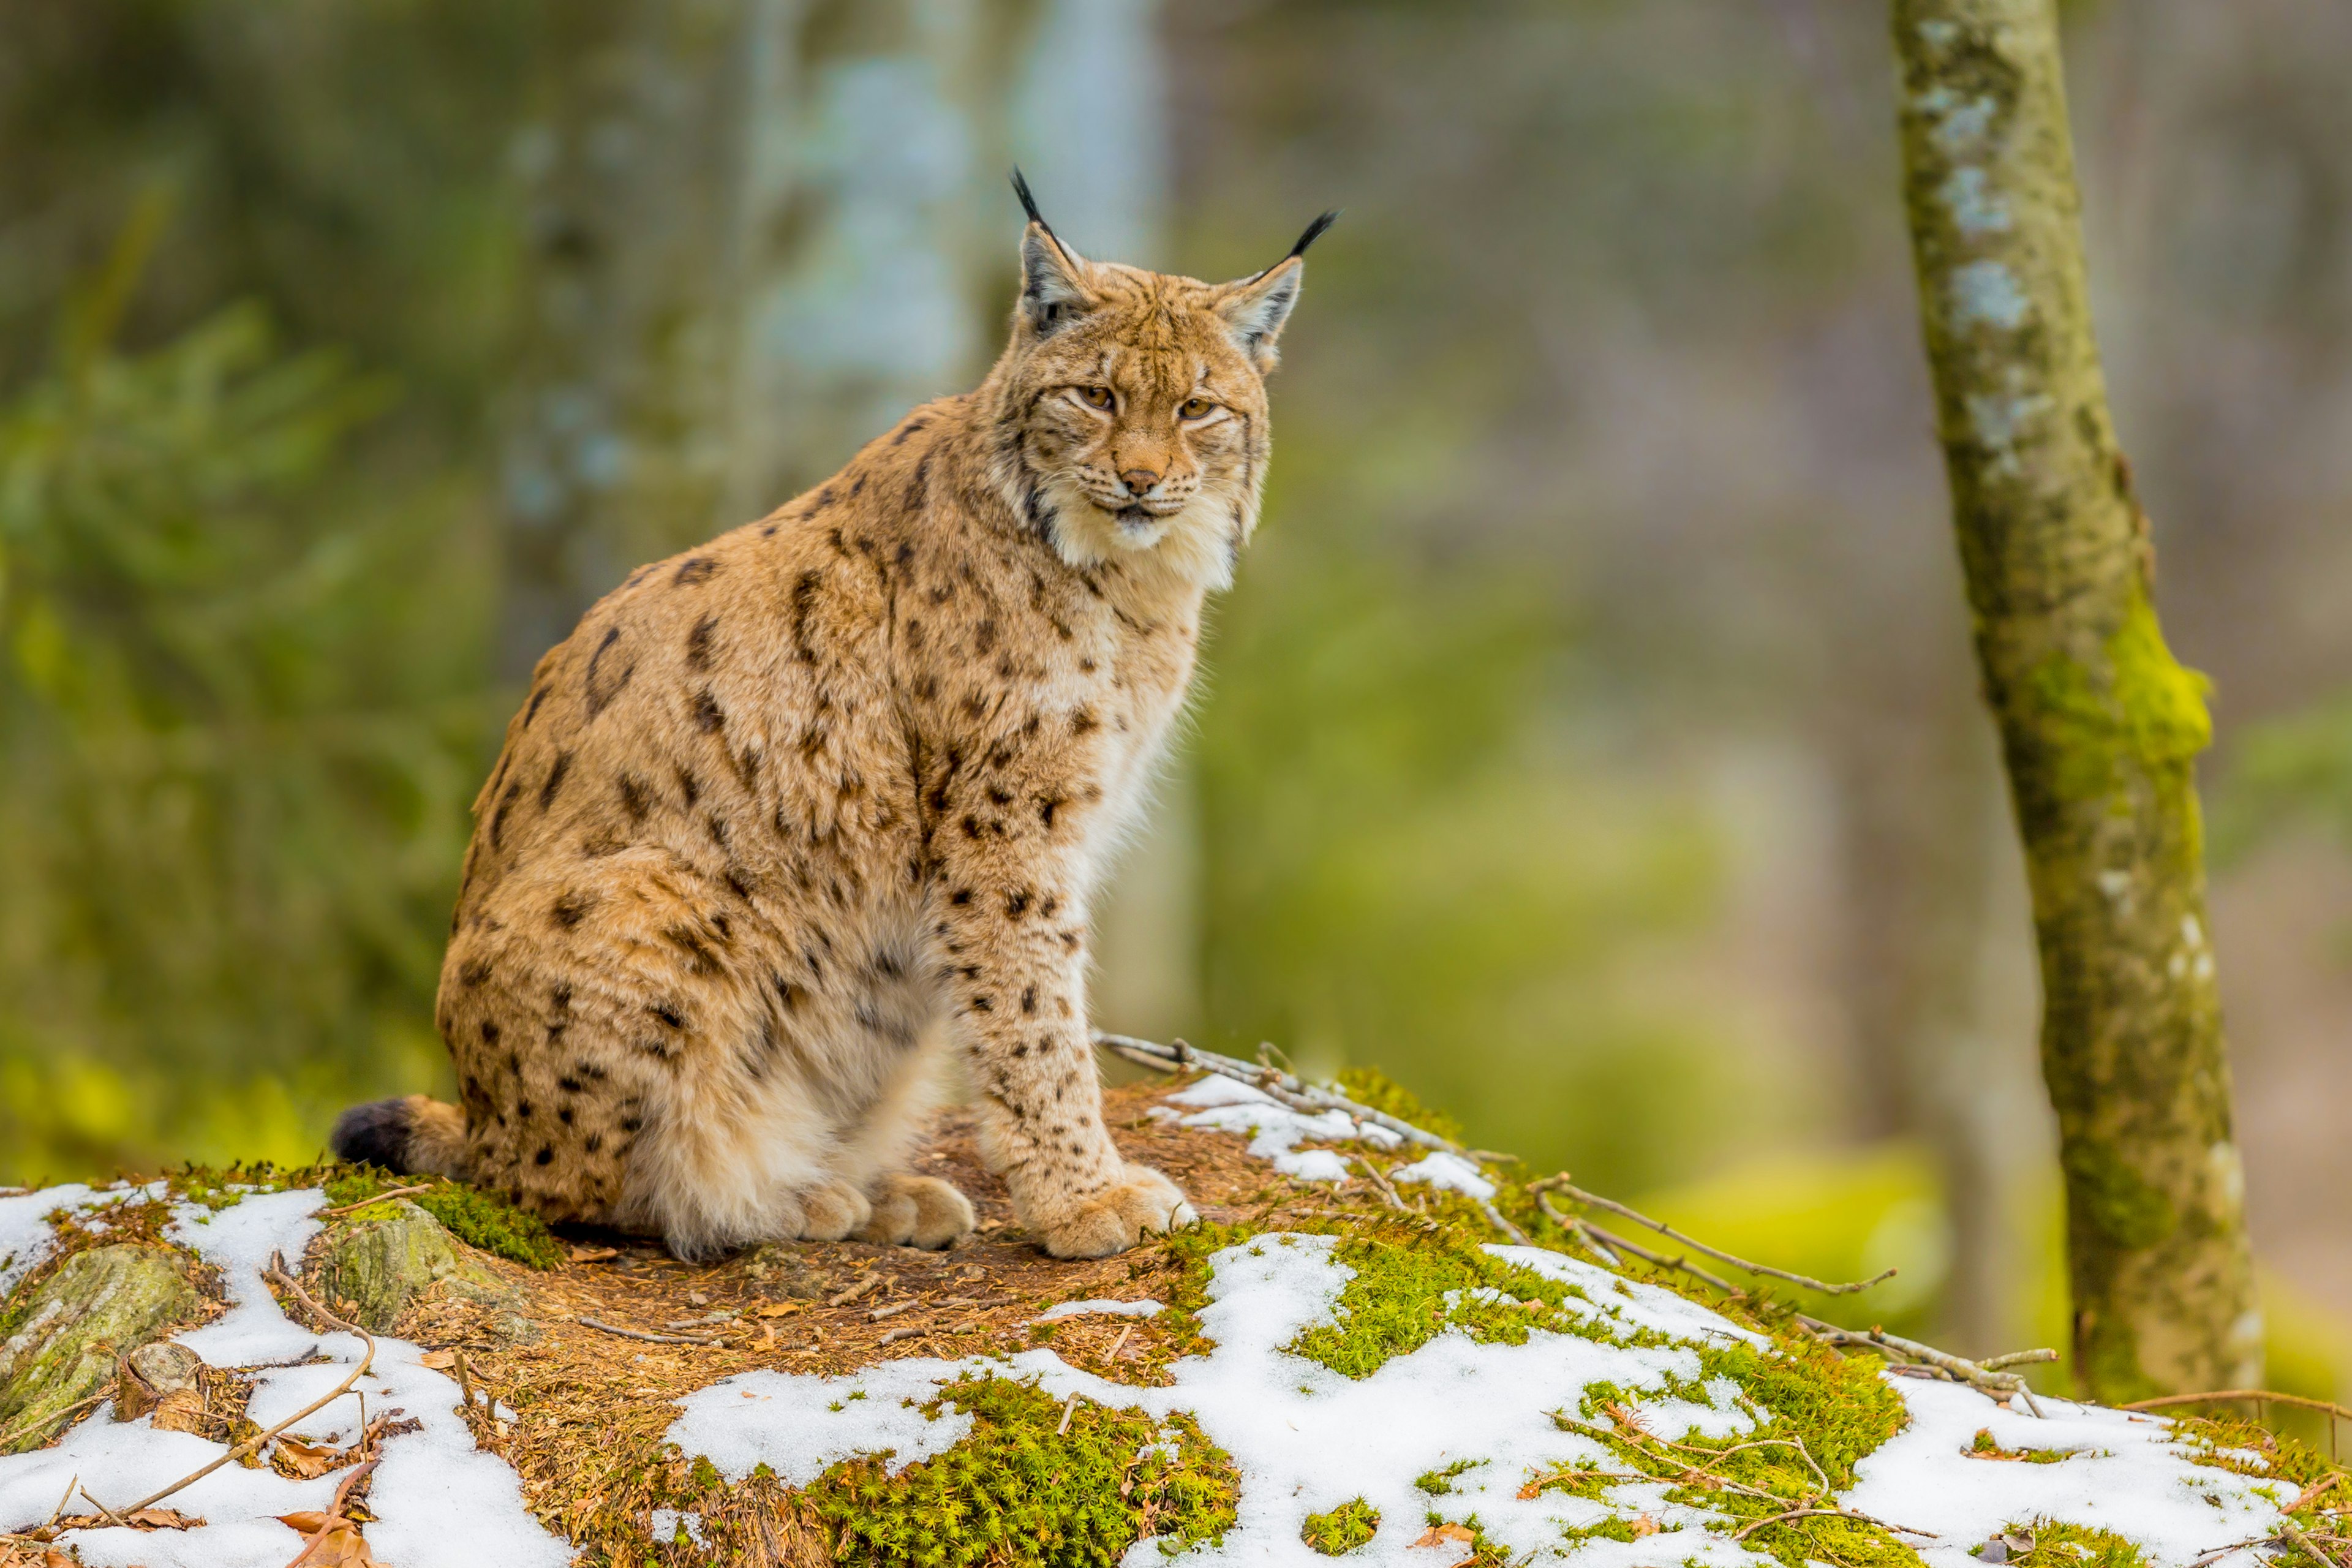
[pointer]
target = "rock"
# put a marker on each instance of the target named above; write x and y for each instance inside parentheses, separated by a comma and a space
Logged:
(372, 1270)
(784, 1274)
(76, 1325)
(166, 1379)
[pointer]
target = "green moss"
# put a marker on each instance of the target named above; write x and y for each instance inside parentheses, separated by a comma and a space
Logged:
(1373, 1088)
(1342, 1530)
(2144, 708)
(2076, 1546)
(1985, 1446)
(473, 1216)
(2113, 1197)
(1438, 1483)
(1817, 1416)
(1020, 1489)
(1413, 1283)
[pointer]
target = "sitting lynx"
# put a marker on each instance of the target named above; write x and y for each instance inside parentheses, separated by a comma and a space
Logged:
(783, 804)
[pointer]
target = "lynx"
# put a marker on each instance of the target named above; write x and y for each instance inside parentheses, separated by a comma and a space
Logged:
(792, 818)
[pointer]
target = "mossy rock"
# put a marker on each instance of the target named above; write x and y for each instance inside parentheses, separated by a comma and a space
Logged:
(377, 1264)
(71, 1330)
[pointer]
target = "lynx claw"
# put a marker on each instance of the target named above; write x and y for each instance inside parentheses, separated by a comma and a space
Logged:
(1143, 1203)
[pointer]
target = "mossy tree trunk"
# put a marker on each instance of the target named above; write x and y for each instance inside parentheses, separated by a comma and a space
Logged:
(2099, 726)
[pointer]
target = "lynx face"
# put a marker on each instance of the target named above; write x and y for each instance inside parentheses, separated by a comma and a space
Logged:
(1141, 399)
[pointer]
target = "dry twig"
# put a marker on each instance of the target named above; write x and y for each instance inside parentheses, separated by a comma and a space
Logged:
(277, 1274)
(1287, 1088)
(1561, 1183)
(652, 1339)
(29, 1428)
(380, 1198)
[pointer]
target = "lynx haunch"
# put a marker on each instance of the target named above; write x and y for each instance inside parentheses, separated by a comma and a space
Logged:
(788, 818)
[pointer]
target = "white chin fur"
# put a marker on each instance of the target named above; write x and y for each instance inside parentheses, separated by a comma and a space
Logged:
(1194, 543)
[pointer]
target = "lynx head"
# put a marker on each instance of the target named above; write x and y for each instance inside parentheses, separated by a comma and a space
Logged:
(1131, 404)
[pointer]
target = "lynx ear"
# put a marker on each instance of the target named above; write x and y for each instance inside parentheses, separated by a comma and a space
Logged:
(1051, 296)
(1256, 308)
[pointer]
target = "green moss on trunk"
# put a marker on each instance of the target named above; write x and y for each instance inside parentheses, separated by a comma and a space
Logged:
(2100, 725)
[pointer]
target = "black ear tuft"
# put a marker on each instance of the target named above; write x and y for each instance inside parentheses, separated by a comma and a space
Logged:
(1314, 230)
(375, 1133)
(1029, 203)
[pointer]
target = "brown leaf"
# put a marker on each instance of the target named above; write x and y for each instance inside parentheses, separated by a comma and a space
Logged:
(1644, 1526)
(594, 1254)
(302, 1461)
(305, 1523)
(162, 1519)
(778, 1309)
(340, 1546)
(1439, 1534)
(439, 1360)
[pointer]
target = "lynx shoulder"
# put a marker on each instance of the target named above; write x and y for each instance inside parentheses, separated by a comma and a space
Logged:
(790, 818)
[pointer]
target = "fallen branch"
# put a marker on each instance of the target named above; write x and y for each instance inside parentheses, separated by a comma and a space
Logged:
(1287, 1088)
(1561, 1183)
(276, 1273)
(29, 1428)
(2221, 1396)
(651, 1339)
(379, 1198)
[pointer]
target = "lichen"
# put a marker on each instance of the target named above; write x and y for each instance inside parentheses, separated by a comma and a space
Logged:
(67, 1333)
(1342, 1530)
(1023, 1487)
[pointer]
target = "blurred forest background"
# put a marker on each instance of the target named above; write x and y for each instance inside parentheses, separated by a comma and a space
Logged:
(1590, 742)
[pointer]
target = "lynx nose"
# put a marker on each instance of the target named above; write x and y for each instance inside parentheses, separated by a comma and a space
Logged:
(1139, 480)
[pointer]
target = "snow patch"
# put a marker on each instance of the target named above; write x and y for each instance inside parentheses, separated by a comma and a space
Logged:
(1144, 1308)
(801, 1424)
(1274, 1129)
(1449, 1171)
(440, 1502)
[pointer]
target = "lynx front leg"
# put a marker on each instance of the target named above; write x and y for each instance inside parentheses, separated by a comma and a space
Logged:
(1016, 962)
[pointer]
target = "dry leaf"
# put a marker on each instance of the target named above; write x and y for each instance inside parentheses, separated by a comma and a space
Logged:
(1645, 1525)
(340, 1546)
(778, 1309)
(145, 1518)
(439, 1360)
(302, 1461)
(309, 1523)
(1439, 1534)
(593, 1254)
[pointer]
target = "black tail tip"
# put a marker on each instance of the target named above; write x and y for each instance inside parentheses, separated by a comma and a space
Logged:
(1314, 232)
(375, 1133)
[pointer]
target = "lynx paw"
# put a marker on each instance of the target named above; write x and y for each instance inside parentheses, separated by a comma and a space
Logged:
(918, 1211)
(1142, 1202)
(832, 1212)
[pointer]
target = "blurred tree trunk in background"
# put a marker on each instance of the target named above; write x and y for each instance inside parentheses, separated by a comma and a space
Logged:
(2100, 727)
(757, 235)
(750, 250)
(1089, 125)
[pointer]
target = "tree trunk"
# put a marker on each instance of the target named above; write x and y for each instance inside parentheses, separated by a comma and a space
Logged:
(2100, 728)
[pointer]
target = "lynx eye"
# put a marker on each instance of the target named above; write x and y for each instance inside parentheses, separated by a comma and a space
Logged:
(1196, 408)
(1096, 397)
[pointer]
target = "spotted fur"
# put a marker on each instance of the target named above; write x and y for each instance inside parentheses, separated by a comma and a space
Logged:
(794, 816)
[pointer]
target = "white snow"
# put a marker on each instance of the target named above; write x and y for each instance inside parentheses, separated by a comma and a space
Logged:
(1308, 1439)
(1305, 1439)
(801, 1424)
(440, 1503)
(24, 1229)
(1144, 1308)
(2127, 1476)
(1274, 1129)
(1450, 1171)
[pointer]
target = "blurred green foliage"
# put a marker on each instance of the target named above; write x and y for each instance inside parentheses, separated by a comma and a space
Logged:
(2291, 770)
(241, 706)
